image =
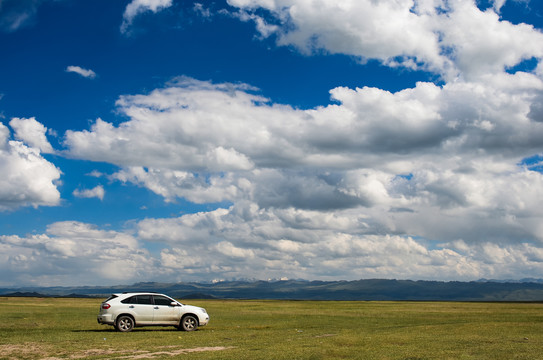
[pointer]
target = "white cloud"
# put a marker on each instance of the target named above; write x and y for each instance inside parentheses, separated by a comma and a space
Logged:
(4, 136)
(432, 162)
(228, 249)
(453, 38)
(72, 253)
(87, 73)
(96, 192)
(482, 44)
(246, 240)
(27, 178)
(369, 128)
(32, 133)
(174, 133)
(181, 184)
(270, 243)
(137, 7)
(498, 4)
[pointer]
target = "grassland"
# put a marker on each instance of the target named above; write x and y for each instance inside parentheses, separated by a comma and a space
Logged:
(47, 328)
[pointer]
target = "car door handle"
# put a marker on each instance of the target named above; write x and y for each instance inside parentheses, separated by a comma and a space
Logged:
(131, 307)
(156, 307)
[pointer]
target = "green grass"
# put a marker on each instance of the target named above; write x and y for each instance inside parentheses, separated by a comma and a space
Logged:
(36, 328)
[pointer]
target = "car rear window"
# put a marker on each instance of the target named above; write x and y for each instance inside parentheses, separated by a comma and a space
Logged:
(111, 298)
(130, 300)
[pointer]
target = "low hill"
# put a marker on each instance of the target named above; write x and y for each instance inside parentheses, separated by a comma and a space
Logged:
(371, 289)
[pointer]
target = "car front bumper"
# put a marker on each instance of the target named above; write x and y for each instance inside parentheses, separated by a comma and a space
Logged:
(203, 320)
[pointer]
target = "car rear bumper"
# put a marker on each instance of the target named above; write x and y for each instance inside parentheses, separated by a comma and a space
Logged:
(105, 319)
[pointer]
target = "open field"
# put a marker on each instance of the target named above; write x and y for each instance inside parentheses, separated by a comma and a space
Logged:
(48, 328)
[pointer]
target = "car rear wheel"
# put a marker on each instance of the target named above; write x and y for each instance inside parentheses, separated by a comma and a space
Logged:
(189, 323)
(125, 323)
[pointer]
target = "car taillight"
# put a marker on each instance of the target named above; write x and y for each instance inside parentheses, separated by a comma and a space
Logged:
(106, 306)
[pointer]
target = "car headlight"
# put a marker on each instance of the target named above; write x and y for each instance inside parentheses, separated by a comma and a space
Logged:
(203, 310)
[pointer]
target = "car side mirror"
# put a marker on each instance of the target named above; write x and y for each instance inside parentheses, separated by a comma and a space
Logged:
(173, 303)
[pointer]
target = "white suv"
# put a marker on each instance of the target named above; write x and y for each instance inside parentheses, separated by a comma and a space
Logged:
(128, 310)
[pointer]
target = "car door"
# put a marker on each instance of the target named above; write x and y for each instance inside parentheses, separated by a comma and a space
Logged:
(141, 306)
(164, 312)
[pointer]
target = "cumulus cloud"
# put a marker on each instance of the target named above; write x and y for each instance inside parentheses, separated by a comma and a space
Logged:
(32, 133)
(137, 7)
(426, 150)
(452, 38)
(349, 186)
(72, 252)
(96, 192)
(28, 179)
(87, 73)
(229, 243)
(170, 128)
(246, 239)
(172, 184)
(486, 45)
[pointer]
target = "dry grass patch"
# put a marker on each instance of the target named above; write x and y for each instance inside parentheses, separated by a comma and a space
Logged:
(38, 351)
(18, 351)
(173, 352)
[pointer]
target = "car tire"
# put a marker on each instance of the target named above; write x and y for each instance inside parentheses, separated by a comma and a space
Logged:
(188, 323)
(125, 323)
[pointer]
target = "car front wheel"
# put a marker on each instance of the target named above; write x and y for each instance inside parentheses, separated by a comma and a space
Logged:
(189, 323)
(125, 323)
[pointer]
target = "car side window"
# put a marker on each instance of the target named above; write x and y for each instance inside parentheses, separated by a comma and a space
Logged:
(161, 300)
(130, 300)
(145, 299)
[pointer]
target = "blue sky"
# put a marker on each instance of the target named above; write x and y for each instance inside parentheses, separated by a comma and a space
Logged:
(167, 140)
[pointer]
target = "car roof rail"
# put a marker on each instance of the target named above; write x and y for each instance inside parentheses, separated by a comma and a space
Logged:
(140, 292)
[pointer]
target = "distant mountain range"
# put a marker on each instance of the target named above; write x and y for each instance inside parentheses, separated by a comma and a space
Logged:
(372, 289)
